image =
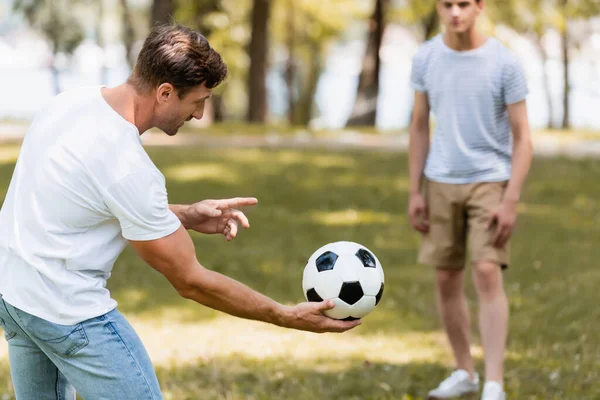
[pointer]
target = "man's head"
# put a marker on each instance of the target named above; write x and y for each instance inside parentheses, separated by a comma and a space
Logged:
(179, 69)
(459, 16)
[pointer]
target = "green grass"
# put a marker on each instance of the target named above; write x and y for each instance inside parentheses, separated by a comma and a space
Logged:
(310, 198)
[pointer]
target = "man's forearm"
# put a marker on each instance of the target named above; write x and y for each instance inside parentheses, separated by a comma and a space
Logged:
(521, 163)
(222, 293)
(179, 211)
(417, 154)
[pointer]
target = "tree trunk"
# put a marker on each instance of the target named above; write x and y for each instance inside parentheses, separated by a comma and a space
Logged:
(304, 111)
(128, 33)
(162, 12)
(566, 124)
(364, 111)
(546, 80)
(290, 65)
(202, 10)
(257, 90)
(218, 108)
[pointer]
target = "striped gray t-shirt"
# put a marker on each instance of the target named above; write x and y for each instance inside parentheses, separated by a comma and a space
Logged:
(468, 92)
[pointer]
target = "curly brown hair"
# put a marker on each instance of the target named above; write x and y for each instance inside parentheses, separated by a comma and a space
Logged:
(177, 55)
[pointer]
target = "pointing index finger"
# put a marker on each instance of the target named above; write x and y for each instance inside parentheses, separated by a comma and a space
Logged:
(238, 202)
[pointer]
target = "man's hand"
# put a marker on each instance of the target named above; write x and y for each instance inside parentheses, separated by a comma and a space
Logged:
(418, 213)
(309, 317)
(218, 216)
(504, 219)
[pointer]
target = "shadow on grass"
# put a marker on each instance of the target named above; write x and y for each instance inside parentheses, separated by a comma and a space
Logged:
(326, 379)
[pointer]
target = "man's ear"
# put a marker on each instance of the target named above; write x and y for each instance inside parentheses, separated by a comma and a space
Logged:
(164, 92)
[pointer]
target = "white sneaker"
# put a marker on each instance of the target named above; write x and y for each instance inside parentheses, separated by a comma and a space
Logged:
(456, 385)
(493, 391)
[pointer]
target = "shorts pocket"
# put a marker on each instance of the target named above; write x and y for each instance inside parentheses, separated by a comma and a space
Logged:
(63, 340)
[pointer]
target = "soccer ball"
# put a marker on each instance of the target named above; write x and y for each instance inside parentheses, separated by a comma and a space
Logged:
(347, 273)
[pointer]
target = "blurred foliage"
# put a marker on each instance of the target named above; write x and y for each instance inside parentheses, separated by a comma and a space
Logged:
(301, 33)
(54, 18)
(226, 25)
(421, 15)
(315, 25)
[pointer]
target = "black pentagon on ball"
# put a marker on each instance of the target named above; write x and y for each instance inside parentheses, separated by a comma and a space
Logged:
(378, 297)
(312, 295)
(326, 261)
(367, 259)
(351, 292)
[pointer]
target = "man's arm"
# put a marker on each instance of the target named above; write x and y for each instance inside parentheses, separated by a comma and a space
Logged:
(417, 155)
(174, 257)
(522, 150)
(180, 212)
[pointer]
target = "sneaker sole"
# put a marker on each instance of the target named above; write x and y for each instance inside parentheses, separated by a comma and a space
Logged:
(463, 397)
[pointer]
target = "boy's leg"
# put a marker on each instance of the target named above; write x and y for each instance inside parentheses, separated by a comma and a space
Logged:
(34, 376)
(454, 313)
(444, 247)
(102, 357)
(488, 263)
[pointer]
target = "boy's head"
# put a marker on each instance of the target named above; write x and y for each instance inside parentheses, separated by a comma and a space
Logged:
(179, 68)
(459, 16)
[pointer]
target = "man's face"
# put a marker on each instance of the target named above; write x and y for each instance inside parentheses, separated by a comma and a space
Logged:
(458, 16)
(172, 111)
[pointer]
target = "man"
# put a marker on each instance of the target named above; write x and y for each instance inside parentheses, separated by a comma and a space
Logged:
(465, 189)
(83, 188)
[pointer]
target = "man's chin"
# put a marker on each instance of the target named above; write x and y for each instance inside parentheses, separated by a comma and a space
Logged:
(170, 131)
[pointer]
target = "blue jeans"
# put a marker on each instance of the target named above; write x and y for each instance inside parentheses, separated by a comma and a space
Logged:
(101, 358)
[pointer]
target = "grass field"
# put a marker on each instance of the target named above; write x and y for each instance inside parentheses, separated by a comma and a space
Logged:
(310, 198)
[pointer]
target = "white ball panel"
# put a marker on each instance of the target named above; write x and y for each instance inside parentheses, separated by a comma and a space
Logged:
(309, 277)
(327, 284)
(340, 311)
(348, 268)
(363, 307)
(370, 281)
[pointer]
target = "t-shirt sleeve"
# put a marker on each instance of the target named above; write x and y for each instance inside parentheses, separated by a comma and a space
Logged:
(514, 82)
(419, 66)
(139, 201)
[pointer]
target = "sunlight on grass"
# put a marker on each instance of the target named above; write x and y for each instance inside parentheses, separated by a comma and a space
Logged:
(176, 343)
(9, 154)
(350, 217)
(200, 171)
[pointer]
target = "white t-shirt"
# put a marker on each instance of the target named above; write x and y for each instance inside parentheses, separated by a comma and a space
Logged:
(83, 185)
(468, 93)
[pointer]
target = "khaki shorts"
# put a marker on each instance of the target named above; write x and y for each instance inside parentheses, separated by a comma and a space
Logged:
(459, 215)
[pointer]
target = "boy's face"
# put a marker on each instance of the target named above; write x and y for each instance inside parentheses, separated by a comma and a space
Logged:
(172, 111)
(459, 16)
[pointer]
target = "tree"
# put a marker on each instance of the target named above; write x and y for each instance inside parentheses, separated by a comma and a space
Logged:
(303, 31)
(364, 111)
(161, 12)
(128, 33)
(568, 12)
(55, 20)
(419, 14)
(259, 44)
(532, 19)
